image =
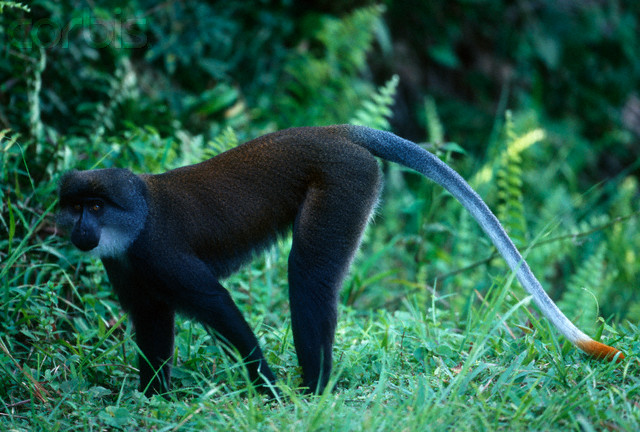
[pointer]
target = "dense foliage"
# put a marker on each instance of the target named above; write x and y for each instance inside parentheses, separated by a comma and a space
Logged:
(535, 102)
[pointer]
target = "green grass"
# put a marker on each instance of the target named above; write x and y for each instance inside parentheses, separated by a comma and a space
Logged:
(66, 357)
(433, 334)
(409, 370)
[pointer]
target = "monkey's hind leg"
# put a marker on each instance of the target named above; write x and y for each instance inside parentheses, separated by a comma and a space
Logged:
(326, 235)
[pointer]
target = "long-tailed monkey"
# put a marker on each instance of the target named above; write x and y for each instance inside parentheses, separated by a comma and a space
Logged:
(166, 240)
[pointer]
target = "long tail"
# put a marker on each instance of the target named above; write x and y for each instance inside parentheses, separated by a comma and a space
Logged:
(395, 149)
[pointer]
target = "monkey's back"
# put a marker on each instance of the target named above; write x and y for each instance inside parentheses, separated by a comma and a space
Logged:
(253, 193)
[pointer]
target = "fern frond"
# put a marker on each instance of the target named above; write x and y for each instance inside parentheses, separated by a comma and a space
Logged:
(13, 5)
(122, 85)
(516, 145)
(376, 112)
(347, 40)
(509, 182)
(226, 140)
(586, 286)
(434, 125)
(523, 142)
(322, 85)
(556, 202)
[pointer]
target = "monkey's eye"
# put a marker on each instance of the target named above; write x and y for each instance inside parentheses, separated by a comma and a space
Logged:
(77, 208)
(95, 206)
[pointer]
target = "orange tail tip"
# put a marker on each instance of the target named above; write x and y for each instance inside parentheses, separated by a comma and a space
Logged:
(599, 350)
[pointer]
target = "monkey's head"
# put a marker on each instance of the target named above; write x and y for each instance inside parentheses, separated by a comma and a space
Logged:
(103, 210)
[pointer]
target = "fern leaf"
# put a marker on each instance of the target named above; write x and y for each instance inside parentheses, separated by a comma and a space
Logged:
(434, 125)
(224, 141)
(13, 5)
(376, 112)
(348, 40)
(122, 85)
(509, 182)
(322, 85)
(516, 145)
(584, 288)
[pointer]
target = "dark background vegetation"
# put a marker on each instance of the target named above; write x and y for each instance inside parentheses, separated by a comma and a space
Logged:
(152, 85)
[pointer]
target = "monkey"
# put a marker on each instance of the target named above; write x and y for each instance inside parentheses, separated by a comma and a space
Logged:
(166, 240)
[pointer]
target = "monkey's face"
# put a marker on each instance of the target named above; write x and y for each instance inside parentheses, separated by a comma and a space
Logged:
(81, 218)
(103, 211)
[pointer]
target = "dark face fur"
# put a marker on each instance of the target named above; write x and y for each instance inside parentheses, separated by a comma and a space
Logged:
(102, 210)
